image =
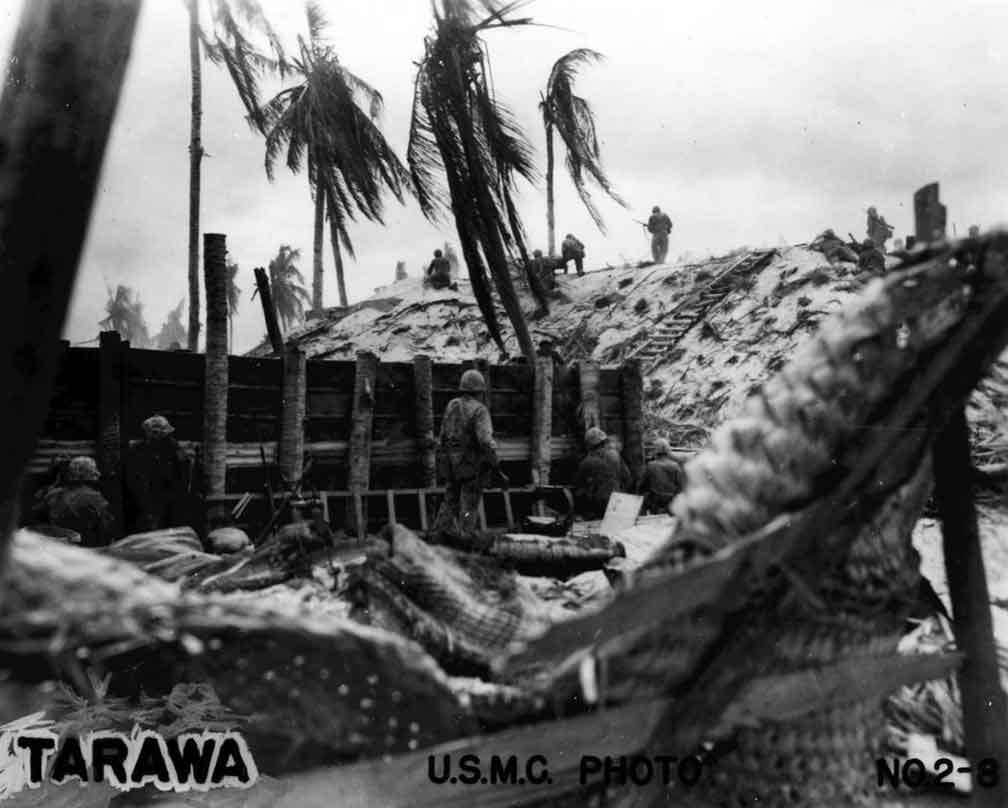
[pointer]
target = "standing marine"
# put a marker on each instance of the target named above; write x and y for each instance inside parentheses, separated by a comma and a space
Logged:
(659, 225)
(466, 458)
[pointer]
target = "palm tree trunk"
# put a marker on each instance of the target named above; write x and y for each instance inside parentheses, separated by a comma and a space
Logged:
(195, 156)
(216, 385)
(550, 217)
(338, 257)
(317, 251)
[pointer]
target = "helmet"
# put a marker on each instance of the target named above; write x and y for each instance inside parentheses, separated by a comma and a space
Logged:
(157, 426)
(569, 235)
(595, 437)
(661, 447)
(872, 210)
(828, 232)
(472, 382)
(867, 243)
(537, 253)
(656, 209)
(82, 470)
(437, 253)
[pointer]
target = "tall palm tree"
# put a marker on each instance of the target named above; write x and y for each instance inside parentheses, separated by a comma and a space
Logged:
(226, 44)
(461, 132)
(125, 315)
(329, 122)
(571, 117)
(290, 298)
(233, 299)
(172, 330)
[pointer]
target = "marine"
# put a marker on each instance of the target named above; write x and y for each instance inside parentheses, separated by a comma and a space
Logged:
(659, 225)
(466, 458)
(600, 474)
(158, 478)
(76, 504)
(662, 479)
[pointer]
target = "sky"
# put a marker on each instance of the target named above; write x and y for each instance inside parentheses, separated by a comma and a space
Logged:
(749, 123)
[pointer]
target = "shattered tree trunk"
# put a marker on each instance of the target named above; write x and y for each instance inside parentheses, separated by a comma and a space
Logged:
(588, 380)
(269, 310)
(542, 421)
(423, 382)
(632, 389)
(65, 73)
(292, 414)
(338, 260)
(359, 463)
(550, 212)
(215, 403)
(929, 215)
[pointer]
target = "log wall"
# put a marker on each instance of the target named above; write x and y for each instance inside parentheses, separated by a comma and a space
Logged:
(171, 384)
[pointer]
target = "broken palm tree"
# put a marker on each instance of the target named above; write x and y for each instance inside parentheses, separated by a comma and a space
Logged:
(461, 132)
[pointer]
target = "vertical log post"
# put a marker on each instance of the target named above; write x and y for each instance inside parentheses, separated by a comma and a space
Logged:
(423, 385)
(293, 408)
(111, 435)
(215, 388)
(632, 390)
(929, 215)
(542, 421)
(985, 725)
(360, 442)
(65, 72)
(588, 378)
(269, 310)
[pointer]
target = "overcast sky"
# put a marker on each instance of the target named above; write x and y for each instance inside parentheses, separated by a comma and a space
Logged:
(749, 122)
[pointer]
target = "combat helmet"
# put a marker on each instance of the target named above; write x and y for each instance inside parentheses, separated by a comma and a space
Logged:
(662, 447)
(595, 437)
(472, 382)
(82, 470)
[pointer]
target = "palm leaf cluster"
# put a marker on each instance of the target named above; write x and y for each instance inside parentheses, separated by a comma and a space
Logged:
(329, 124)
(287, 286)
(227, 44)
(460, 135)
(125, 315)
(572, 118)
(172, 330)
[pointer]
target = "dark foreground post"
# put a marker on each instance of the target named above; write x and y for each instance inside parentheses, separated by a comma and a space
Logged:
(632, 389)
(985, 711)
(111, 356)
(215, 389)
(66, 69)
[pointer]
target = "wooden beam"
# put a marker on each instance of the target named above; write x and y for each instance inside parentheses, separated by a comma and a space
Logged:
(985, 711)
(65, 71)
(269, 310)
(362, 422)
(588, 379)
(542, 420)
(292, 413)
(423, 383)
(632, 389)
(215, 385)
(111, 435)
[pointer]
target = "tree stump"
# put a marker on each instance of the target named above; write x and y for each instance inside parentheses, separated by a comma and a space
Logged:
(359, 462)
(423, 383)
(292, 414)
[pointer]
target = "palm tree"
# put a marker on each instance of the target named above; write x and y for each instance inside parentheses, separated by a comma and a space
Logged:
(172, 330)
(461, 132)
(287, 287)
(225, 44)
(329, 121)
(571, 117)
(233, 299)
(125, 315)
